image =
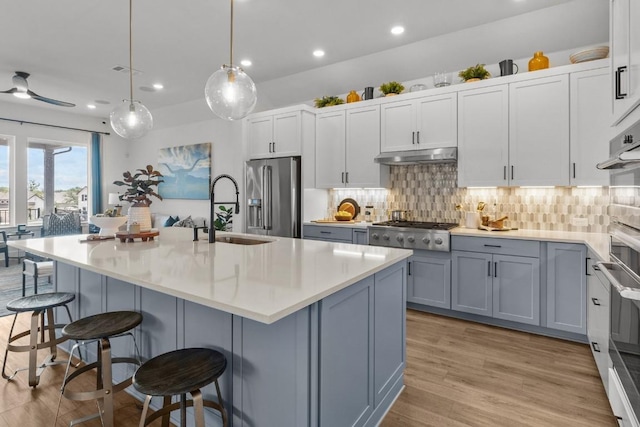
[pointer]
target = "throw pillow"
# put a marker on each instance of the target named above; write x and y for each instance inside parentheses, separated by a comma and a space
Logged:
(62, 224)
(187, 222)
(171, 220)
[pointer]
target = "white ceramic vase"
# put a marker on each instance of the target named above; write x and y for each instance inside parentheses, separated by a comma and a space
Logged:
(140, 215)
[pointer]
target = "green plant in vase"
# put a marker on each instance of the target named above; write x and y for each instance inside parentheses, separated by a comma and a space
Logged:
(477, 72)
(224, 219)
(327, 101)
(140, 186)
(391, 88)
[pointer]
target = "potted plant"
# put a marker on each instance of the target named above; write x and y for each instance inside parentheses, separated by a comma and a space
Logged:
(391, 88)
(224, 219)
(475, 73)
(327, 101)
(140, 187)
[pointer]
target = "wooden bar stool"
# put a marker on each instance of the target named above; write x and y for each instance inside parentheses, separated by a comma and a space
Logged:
(41, 306)
(177, 373)
(100, 328)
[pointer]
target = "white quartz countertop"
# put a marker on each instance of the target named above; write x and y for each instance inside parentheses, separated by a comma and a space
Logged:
(597, 242)
(357, 224)
(264, 282)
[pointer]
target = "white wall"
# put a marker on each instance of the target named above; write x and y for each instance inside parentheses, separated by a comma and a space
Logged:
(226, 147)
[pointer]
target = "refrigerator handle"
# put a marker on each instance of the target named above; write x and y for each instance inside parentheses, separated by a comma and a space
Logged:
(295, 194)
(266, 191)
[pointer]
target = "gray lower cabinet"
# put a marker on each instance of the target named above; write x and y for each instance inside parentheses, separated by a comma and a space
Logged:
(566, 287)
(338, 234)
(501, 279)
(368, 315)
(429, 279)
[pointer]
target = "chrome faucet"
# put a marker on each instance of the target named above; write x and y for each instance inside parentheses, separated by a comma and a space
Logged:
(212, 231)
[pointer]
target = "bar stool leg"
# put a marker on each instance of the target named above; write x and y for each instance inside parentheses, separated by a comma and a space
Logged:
(166, 417)
(222, 411)
(183, 410)
(198, 407)
(52, 332)
(145, 410)
(6, 351)
(107, 383)
(33, 349)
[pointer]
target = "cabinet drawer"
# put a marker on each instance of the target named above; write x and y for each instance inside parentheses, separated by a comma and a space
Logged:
(343, 234)
(488, 245)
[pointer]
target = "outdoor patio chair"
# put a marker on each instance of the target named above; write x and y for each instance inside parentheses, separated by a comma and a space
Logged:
(4, 249)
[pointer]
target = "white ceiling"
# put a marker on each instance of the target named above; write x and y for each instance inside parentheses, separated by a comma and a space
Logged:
(70, 46)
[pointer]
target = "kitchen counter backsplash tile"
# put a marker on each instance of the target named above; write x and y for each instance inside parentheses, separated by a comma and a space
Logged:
(430, 192)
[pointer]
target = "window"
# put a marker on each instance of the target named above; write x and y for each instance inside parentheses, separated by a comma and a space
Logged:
(4, 181)
(57, 175)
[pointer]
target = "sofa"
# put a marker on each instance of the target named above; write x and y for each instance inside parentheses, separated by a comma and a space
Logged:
(160, 220)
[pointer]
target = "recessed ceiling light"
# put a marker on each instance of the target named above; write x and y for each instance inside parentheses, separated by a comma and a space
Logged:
(397, 30)
(158, 86)
(91, 106)
(245, 63)
(318, 53)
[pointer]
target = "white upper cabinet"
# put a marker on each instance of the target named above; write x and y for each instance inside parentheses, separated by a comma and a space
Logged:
(483, 137)
(413, 124)
(277, 133)
(347, 141)
(590, 131)
(625, 57)
(539, 131)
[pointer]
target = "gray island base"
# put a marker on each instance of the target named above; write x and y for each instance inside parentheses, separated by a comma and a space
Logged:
(334, 361)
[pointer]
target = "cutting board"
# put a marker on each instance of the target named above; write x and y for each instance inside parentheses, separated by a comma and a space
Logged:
(332, 221)
(125, 236)
(484, 227)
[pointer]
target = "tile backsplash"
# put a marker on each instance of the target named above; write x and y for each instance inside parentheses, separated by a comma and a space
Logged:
(430, 192)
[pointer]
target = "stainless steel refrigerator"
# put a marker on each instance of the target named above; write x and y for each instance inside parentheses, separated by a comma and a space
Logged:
(273, 192)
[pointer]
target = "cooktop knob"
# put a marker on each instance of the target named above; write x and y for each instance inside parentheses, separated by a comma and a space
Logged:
(438, 241)
(375, 236)
(399, 238)
(426, 240)
(411, 239)
(385, 237)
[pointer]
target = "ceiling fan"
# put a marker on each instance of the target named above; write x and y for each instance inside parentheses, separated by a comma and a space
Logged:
(21, 90)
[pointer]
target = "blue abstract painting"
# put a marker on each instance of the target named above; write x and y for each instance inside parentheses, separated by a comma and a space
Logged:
(186, 170)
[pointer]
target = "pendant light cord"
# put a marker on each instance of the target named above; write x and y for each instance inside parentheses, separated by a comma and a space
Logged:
(231, 38)
(131, 50)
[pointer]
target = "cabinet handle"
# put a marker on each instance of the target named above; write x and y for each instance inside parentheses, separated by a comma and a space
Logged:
(274, 147)
(574, 170)
(343, 177)
(269, 147)
(492, 246)
(495, 269)
(619, 71)
(595, 301)
(586, 267)
(418, 137)
(413, 137)
(505, 173)
(595, 347)
(489, 268)
(409, 268)
(346, 179)
(512, 172)
(595, 267)
(325, 232)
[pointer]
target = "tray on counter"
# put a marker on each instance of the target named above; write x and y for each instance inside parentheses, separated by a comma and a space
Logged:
(332, 221)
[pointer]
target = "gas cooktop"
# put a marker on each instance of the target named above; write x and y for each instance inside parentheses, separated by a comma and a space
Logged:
(418, 224)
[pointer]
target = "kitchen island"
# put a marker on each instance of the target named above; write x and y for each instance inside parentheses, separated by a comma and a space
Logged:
(314, 332)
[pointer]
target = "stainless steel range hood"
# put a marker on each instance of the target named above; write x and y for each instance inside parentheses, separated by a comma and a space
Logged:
(411, 157)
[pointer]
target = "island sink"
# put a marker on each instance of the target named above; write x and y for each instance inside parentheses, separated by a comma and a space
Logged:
(240, 240)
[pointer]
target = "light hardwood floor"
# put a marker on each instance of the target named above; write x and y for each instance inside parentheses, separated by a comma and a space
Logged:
(461, 373)
(458, 374)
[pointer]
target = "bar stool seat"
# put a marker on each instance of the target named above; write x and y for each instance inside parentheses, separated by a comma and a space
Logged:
(100, 328)
(41, 306)
(177, 373)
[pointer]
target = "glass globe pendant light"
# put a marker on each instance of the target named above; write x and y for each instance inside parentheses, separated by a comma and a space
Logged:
(131, 120)
(230, 92)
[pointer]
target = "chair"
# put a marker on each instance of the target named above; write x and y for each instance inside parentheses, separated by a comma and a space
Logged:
(35, 269)
(60, 225)
(177, 373)
(5, 249)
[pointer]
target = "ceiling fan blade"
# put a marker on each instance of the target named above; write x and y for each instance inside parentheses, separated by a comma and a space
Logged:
(12, 90)
(49, 100)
